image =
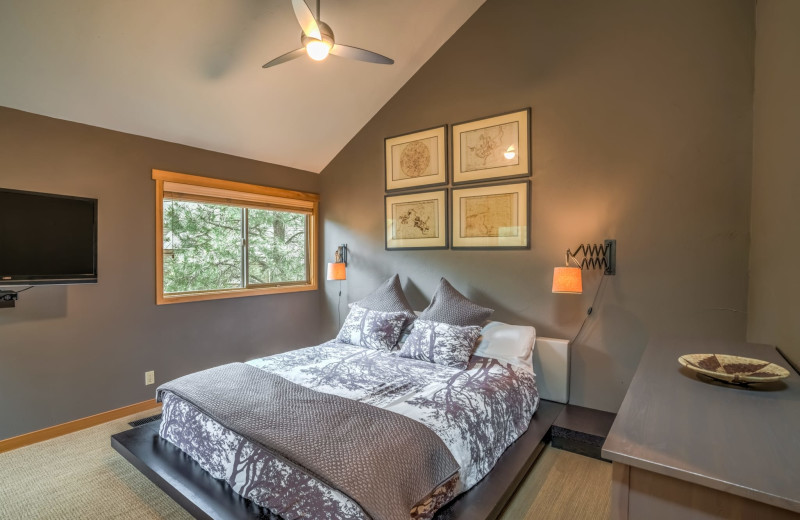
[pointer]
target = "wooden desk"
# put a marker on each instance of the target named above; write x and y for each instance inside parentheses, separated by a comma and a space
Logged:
(686, 447)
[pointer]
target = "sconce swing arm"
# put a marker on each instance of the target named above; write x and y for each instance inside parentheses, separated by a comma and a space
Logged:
(596, 256)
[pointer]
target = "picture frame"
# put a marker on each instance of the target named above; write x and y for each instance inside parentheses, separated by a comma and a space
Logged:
(482, 148)
(416, 220)
(416, 159)
(494, 216)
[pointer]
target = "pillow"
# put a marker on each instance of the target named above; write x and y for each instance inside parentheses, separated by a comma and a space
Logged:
(451, 307)
(388, 297)
(372, 329)
(441, 343)
(407, 329)
(507, 343)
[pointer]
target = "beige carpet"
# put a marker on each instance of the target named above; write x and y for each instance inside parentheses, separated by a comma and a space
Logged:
(80, 476)
(562, 485)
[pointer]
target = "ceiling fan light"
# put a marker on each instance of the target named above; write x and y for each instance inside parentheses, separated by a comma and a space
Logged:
(317, 49)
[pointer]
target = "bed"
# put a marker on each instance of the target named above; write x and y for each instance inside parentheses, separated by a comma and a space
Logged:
(494, 439)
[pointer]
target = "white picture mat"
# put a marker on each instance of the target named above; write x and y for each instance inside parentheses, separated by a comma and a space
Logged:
(441, 200)
(522, 161)
(392, 159)
(520, 237)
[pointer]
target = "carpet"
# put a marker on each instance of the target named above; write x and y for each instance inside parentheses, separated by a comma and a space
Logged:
(80, 476)
(562, 485)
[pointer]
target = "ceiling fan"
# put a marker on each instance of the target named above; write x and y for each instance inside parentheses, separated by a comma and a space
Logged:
(317, 40)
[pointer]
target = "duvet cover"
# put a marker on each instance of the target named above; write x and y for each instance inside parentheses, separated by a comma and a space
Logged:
(477, 412)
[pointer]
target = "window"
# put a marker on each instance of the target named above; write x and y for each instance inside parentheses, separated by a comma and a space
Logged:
(222, 239)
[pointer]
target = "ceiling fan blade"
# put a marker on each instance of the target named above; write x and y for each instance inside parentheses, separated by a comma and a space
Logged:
(285, 57)
(354, 53)
(306, 19)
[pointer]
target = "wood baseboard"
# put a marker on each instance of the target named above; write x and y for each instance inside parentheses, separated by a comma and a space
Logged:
(26, 439)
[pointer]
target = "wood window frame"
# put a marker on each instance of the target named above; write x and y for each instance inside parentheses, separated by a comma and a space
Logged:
(206, 189)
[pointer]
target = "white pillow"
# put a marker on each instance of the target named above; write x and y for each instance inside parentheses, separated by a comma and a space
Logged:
(508, 343)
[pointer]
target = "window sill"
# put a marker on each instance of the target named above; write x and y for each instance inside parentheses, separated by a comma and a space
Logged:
(164, 299)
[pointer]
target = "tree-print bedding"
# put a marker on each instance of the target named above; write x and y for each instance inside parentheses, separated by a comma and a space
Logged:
(477, 412)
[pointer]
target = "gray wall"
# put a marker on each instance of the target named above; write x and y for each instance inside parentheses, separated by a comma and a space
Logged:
(70, 352)
(642, 131)
(774, 308)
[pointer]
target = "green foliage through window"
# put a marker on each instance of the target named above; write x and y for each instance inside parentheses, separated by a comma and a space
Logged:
(276, 251)
(211, 247)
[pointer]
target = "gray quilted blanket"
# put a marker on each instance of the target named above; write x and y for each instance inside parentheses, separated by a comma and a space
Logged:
(384, 461)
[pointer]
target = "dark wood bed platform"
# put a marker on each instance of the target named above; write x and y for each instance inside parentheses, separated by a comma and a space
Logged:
(203, 496)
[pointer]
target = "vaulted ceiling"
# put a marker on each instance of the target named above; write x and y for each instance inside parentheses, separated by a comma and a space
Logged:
(189, 71)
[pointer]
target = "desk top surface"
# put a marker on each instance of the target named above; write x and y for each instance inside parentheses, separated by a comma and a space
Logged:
(741, 440)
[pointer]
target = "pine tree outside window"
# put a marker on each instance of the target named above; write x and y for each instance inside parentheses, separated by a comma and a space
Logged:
(221, 239)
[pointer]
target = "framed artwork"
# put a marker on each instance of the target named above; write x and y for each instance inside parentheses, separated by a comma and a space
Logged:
(492, 148)
(491, 217)
(416, 220)
(416, 159)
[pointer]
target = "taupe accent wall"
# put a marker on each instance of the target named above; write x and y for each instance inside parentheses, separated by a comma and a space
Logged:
(774, 306)
(642, 132)
(68, 352)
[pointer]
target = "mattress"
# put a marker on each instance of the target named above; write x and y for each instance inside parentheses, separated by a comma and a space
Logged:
(477, 412)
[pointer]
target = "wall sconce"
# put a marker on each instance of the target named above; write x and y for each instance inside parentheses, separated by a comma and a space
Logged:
(568, 280)
(337, 270)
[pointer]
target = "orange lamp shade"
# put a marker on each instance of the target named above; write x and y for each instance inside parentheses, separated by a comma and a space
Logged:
(567, 280)
(337, 271)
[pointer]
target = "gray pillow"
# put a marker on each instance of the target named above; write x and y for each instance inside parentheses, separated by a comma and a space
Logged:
(388, 297)
(450, 306)
(441, 343)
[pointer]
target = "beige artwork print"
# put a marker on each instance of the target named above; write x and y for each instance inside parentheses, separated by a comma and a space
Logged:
(415, 219)
(415, 159)
(484, 148)
(490, 216)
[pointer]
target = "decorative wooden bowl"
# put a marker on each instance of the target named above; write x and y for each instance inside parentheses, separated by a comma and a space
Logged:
(733, 369)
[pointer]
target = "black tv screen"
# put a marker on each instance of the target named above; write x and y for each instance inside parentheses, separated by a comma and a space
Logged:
(47, 239)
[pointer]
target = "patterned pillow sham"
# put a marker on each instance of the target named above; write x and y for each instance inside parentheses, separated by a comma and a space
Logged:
(441, 343)
(450, 306)
(372, 329)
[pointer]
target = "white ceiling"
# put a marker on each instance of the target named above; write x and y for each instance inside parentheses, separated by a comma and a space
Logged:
(189, 71)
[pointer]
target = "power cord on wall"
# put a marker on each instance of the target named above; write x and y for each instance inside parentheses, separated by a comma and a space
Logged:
(339, 307)
(591, 308)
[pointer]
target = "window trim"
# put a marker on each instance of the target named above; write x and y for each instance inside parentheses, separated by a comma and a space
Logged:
(239, 193)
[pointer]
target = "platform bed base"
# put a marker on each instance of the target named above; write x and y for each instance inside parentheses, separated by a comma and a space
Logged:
(203, 496)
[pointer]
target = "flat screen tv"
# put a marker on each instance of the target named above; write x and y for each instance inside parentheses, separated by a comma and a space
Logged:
(47, 239)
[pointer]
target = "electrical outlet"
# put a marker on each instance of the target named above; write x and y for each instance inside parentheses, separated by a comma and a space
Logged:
(8, 299)
(150, 377)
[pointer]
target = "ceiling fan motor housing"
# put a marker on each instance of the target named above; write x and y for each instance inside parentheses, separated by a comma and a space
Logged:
(325, 31)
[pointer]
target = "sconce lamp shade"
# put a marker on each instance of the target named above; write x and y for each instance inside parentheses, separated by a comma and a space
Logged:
(567, 280)
(337, 271)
